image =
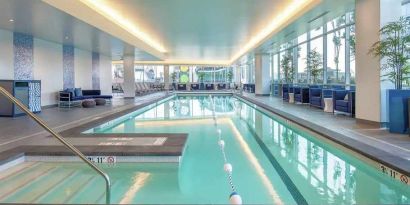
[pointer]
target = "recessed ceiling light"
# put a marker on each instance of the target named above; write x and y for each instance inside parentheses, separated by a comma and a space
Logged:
(11, 20)
(66, 37)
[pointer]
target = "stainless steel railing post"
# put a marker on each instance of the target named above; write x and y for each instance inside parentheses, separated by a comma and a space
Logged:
(63, 141)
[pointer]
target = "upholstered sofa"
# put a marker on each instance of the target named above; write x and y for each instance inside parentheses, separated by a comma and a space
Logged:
(71, 96)
(78, 94)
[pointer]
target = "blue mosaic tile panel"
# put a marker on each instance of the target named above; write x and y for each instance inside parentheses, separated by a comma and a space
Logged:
(68, 67)
(35, 96)
(23, 56)
(96, 71)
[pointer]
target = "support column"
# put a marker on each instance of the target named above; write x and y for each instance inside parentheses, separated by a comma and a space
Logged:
(262, 80)
(371, 99)
(129, 77)
(166, 77)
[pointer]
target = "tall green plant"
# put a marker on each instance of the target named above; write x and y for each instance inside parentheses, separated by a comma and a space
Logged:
(173, 77)
(314, 60)
(287, 67)
(201, 76)
(394, 49)
(338, 35)
(229, 76)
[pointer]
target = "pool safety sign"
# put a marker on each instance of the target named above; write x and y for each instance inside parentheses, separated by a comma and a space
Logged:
(103, 159)
(395, 174)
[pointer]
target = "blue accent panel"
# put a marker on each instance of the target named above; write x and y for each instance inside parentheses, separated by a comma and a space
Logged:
(68, 67)
(398, 110)
(23, 56)
(35, 96)
(96, 71)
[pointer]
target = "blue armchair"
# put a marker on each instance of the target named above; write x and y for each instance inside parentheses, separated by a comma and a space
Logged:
(344, 101)
(194, 86)
(315, 97)
(286, 89)
(285, 92)
(209, 86)
(221, 86)
(301, 94)
(181, 86)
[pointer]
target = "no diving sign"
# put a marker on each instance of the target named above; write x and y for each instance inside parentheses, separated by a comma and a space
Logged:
(395, 174)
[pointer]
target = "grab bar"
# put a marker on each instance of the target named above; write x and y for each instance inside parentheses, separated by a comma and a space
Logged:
(62, 140)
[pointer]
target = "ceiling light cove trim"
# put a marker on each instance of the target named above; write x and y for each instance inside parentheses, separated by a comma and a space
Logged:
(98, 14)
(292, 11)
(116, 17)
(179, 62)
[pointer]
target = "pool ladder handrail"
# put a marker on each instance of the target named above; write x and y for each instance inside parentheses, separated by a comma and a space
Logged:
(63, 141)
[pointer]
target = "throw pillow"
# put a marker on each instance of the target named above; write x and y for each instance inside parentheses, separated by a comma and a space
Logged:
(346, 97)
(78, 92)
(71, 91)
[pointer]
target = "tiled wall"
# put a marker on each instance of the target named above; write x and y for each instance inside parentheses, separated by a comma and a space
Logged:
(23, 56)
(68, 67)
(96, 71)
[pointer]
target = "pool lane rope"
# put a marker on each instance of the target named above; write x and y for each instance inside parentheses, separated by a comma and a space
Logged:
(234, 197)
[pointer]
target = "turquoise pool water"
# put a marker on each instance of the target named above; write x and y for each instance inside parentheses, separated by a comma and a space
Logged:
(271, 160)
(272, 163)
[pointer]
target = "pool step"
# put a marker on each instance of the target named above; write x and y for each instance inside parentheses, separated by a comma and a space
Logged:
(66, 189)
(39, 186)
(89, 192)
(16, 169)
(20, 179)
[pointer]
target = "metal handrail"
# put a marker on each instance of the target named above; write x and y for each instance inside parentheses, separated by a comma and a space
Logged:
(62, 140)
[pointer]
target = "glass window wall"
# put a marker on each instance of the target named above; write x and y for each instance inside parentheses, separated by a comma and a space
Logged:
(331, 47)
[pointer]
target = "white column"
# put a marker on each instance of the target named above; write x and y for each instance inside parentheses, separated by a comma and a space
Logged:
(371, 100)
(166, 77)
(262, 80)
(129, 77)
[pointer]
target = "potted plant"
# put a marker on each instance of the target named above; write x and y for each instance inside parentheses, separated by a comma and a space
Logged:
(201, 76)
(393, 48)
(229, 76)
(314, 60)
(287, 68)
(174, 78)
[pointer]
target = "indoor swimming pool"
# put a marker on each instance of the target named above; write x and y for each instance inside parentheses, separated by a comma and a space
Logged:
(273, 163)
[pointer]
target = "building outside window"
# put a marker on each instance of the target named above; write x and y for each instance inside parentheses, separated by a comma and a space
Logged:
(334, 42)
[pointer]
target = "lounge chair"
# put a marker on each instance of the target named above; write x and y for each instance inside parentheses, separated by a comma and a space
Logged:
(301, 94)
(344, 101)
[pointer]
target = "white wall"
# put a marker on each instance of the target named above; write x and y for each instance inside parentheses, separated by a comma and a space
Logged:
(6, 55)
(105, 75)
(83, 69)
(48, 67)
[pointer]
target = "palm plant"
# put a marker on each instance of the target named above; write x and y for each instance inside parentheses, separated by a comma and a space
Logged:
(337, 42)
(173, 77)
(314, 60)
(394, 48)
(201, 76)
(229, 76)
(287, 67)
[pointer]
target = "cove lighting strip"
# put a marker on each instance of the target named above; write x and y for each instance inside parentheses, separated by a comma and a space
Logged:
(114, 16)
(290, 11)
